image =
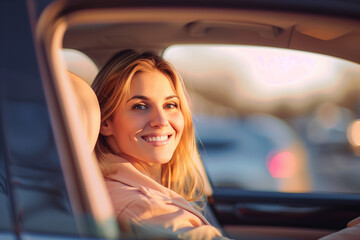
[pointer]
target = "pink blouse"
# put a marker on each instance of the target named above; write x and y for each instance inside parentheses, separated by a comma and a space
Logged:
(146, 208)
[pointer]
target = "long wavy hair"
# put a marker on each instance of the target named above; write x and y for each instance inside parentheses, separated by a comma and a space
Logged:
(112, 84)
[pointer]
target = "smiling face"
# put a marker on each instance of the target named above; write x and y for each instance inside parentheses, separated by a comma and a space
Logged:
(148, 124)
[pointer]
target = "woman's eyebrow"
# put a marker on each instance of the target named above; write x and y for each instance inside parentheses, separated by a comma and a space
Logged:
(138, 97)
(172, 96)
(146, 98)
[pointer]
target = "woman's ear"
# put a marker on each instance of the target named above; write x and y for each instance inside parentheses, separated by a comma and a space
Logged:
(106, 128)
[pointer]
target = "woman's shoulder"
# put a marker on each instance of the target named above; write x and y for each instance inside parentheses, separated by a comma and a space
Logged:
(116, 187)
(131, 199)
(127, 193)
(122, 195)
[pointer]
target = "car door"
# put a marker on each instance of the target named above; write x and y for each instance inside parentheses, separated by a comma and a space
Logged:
(34, 198)
(33, 195)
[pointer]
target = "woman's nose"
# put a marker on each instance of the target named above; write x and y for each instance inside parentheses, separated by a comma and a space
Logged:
(158, 118)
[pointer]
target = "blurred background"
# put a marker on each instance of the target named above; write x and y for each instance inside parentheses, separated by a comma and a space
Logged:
(272, 119)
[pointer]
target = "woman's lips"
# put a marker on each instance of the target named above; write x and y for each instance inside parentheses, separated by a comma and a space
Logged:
(157, 139)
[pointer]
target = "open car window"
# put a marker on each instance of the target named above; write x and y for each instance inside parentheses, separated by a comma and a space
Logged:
(272, 119)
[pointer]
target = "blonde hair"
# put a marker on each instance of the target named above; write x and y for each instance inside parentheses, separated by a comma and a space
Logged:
(112, 84)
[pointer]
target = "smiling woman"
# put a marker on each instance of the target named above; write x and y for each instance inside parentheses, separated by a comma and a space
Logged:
(146, 148)
(149, 125)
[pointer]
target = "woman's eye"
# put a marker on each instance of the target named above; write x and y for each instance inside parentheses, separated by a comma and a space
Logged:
(171, 105)
(139, 107)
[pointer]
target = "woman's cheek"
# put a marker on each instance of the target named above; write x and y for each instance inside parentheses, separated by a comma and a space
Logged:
(178, 120)
(137, 122)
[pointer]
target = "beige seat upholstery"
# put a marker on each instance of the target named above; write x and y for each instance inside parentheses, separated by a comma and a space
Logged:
(88, 107)
(92, 183)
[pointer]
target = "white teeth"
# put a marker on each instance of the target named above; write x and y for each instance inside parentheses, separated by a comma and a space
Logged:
(156, 139)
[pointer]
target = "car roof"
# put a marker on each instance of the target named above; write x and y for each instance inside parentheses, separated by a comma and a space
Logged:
(327, 27)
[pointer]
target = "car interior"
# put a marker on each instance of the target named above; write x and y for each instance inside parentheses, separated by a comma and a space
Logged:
(99, 30)
(32, 162)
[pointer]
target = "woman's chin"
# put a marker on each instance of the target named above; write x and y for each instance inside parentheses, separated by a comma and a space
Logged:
(148, 158)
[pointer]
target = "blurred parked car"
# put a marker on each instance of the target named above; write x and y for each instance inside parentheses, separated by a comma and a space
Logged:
(282, 162)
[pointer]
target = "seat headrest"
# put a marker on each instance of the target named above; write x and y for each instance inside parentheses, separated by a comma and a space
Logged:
(80, 64)
(88, 108)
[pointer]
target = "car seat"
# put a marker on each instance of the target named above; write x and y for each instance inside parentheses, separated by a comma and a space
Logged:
(88, 107)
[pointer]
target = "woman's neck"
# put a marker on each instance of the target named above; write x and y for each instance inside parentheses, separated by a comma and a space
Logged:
(152, 170)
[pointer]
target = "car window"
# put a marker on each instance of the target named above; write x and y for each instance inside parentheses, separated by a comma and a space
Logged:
(272, 119)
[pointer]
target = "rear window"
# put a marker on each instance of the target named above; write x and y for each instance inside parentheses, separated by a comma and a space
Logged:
(272, 119)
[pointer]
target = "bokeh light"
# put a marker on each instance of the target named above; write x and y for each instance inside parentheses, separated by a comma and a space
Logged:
(283, 164)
